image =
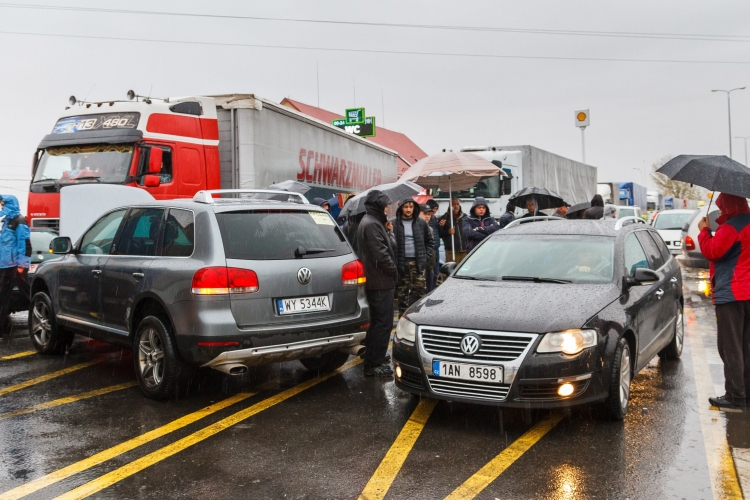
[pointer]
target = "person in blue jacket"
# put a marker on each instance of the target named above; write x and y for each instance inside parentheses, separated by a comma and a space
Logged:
(15, 253)
(479, 224)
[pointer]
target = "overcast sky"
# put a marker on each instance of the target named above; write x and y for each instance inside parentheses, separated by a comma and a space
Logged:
(640, 111)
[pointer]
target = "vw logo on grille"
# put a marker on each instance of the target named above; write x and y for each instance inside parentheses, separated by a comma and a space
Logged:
(304, 276)
(470, 344)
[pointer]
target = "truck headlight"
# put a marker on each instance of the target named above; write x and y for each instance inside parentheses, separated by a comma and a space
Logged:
(568, 341)
(406, 330)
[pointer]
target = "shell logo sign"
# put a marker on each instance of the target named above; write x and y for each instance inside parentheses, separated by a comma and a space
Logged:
(582, 118)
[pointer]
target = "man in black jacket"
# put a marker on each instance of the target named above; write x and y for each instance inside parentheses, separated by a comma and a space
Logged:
(453, 234)
(597, 208)
(376, 250)
(413, 250)
(509, 215)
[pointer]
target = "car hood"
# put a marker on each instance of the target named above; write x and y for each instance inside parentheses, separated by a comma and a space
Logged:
(512, 306)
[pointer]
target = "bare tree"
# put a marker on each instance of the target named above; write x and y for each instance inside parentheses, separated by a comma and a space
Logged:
(677, 189)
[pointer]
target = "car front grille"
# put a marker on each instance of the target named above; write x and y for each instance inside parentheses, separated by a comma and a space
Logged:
(46, 224)
(468, 389)
(496, 346)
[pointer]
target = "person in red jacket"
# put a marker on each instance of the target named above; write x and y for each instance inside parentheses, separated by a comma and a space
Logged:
(728, 251)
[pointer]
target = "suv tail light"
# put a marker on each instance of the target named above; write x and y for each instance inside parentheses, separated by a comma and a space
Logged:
(224, 280)
(689, 243)
(353, 273)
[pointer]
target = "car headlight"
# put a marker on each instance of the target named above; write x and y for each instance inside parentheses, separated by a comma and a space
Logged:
(568, 341)
(406, 330)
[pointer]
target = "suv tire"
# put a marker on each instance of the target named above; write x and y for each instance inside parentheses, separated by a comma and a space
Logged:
(325, 363)
(157, 364)
(616, 405)
(46, 336)
(674, 349)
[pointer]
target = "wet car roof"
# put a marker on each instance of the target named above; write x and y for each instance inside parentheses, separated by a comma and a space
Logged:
(228, 204)
(570, 227)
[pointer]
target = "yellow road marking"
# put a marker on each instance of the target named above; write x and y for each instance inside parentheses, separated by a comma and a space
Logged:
(389, 467)
(67, 400)
(103, 456)
(721, 469)
(138, 465)
(479, 481)
(49, 376)
(18, 355)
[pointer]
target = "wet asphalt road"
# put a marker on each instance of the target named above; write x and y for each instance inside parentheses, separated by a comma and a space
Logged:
(282, 432)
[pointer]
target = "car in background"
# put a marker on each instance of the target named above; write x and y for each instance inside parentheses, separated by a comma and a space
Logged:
(628, 308)
(691, 248)
(622, 211)
(266, 280)
(669, 224)
(40, 240)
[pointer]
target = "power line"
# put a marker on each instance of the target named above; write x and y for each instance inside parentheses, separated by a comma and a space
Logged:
(374, 51)
(615, 34)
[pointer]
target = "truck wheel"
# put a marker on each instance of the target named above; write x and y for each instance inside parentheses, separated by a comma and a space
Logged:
(157, 364)
(616, 405)
(674, 349)
(46, 336)
(325, 363)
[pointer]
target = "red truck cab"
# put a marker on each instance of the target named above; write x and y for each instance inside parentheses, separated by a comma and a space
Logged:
(168, 147)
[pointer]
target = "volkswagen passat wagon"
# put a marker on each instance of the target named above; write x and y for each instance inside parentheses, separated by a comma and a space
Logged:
(216, 282)
(544, 315)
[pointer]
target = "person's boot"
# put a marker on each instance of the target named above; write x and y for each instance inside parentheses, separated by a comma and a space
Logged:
(723, 403)
(378, 371)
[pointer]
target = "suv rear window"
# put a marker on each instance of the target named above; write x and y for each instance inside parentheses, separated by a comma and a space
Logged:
(279, 234)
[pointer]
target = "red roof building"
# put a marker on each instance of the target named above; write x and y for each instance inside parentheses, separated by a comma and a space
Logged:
(408, 152)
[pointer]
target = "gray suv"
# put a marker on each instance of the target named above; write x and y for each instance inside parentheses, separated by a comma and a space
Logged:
(223, 283)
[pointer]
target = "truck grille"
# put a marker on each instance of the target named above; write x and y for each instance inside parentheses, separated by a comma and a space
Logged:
(495, 346)
(468, 389)
(53, 224)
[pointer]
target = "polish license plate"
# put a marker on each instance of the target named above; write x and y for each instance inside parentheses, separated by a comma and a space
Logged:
(464, 371)
(32, 268)
(303, 304)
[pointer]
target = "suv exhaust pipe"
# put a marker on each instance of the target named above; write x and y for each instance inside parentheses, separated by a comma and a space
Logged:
(354, 350)
(237, 370)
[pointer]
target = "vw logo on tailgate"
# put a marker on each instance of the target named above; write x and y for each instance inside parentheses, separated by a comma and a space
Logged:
(470, 344)
(304, 276)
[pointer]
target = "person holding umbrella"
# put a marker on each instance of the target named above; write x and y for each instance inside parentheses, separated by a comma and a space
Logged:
(532, 209)
(562, 211)
(728, 251)
(413, 251)
(451, 233)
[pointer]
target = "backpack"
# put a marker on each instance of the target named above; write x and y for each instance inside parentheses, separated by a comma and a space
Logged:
(14, 223)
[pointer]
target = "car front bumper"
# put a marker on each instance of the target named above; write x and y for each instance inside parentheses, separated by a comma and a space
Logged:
(531, 381)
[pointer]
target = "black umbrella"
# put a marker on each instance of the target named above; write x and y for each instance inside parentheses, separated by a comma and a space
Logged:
(715, 173)
(543, 197)
(396, 191)
(578, 207)
(290, 186)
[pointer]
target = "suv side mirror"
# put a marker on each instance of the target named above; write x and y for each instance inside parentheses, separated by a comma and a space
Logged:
(151, 181)
(61, 245)
(645, 276)
(448, 268)
(154, 160)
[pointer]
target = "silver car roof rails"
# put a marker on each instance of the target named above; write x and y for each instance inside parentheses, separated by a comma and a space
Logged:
(627, 221)
(206, 195)
(524, 220)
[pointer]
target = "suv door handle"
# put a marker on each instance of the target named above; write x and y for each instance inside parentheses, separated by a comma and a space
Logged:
(96, 272)
(659, 293)
(138, 275)
(673, 280)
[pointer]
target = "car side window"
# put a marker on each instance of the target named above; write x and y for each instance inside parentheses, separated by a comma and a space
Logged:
(665, 255)
(98, 240)
(140, 232)
(652, 250)
(179, 234)
(635, 257)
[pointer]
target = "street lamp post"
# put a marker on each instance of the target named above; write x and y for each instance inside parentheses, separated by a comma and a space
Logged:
(745, 138)
(729, 113)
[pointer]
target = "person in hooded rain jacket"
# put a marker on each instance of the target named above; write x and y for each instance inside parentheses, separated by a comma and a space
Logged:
(451, 234)
(509, 215)
(377, 253)
(597, 208)
(414, 249)
(479, 224)
(432, 270)
(728, 252)
(15, 253)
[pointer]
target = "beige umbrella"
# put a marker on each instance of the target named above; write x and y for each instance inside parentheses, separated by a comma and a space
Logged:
(449, 171)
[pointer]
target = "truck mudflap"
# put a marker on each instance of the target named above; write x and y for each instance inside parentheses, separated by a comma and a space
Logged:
(228, 360)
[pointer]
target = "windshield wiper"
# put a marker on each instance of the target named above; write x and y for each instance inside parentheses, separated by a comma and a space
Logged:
(475, 278)
(300, 251)
(535, 279)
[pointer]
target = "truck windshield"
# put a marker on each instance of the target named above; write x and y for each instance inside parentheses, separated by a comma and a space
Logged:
(105, 163)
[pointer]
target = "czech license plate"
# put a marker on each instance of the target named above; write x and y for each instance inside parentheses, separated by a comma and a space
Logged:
(304, 304)
(32, 268)
(464, 371)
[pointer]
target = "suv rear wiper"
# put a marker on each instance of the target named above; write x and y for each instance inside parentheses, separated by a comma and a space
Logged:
(535, 279)
(300, 251)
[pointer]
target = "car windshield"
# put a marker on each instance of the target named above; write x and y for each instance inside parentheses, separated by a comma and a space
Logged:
(280, 234)
(105, 163)
(577, 259)
(665, 220)
(40, 240)
(626, 212)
